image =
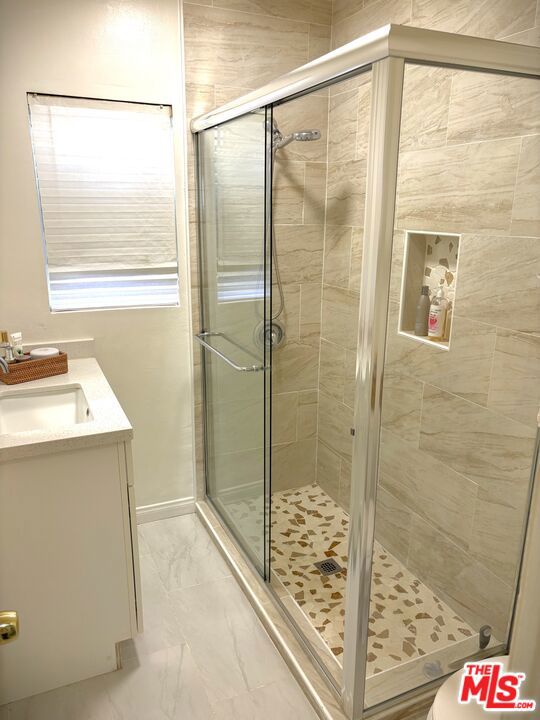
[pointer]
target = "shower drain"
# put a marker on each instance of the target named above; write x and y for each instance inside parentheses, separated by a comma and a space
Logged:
(328, 567)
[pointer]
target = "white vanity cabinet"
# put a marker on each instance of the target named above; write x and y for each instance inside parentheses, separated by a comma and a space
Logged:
(68, 554)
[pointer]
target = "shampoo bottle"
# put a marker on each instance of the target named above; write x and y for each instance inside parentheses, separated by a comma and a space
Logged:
(422, 313)
(437, 315)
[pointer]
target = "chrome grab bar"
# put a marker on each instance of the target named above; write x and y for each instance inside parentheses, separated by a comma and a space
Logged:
(241, 368)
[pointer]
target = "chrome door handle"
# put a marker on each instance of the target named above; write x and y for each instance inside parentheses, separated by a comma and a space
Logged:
(240, 368)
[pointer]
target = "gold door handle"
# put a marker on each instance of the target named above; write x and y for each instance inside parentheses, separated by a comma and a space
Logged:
(9, 626)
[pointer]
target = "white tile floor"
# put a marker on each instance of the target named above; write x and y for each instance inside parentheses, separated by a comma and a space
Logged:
(203, 656)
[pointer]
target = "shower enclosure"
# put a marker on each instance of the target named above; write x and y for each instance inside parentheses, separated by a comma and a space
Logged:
(378, 480)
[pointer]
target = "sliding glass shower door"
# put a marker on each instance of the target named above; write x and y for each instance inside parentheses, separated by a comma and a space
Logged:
(235, 269)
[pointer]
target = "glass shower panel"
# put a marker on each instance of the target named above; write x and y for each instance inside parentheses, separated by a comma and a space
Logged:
(319, 175)
(460, 382)
(234, 295)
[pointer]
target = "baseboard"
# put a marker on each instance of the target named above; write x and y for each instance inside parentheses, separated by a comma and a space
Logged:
(167, 509)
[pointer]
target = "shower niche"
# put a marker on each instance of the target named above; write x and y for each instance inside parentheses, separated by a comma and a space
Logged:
(430, 259)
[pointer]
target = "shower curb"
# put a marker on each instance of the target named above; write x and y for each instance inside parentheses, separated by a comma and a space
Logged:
(324, 701)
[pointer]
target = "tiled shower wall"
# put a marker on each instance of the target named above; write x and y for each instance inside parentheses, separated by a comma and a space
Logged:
(231, 47)
(348, 123)
(236, 45)
(459, 425)
(298, 213)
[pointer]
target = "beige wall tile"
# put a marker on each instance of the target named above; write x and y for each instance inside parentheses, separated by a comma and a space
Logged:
(357, 245)
(344, 8)
(461, 188)
(497, 535)
(296, 366)
(498, 281)
(526, 210)
(364, 116)
(426, 98)
(310, 311)
(307, 112)
(344, 497)
(300, 253)
(340, 316)
(371, 18)
(226, 93)
(346, 190)
(349, 391)
(321, 11)
(343, 120)
(491, 450)
(290, 315)
(426, 486)
(471, 590)
(463, 370)
(238, 48)
(527, 37)
(335, 422)
(304, 10)
(332, 369)
(484, 106)
(337, 255)
(200, 98)
(494, 452)
(514, 390)
(352, 83)
(314, 193)
(328, 470)
(484, 18)
(293, 464)
(284, 417)
(401, 405)
(308, 403)
(392, 524)
(319, 41)
(289, 179)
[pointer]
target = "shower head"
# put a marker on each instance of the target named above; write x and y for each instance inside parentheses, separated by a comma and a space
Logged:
(306, 135)
(280, 141)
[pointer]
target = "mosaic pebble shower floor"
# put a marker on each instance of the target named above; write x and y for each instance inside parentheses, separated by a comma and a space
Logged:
(407, 620)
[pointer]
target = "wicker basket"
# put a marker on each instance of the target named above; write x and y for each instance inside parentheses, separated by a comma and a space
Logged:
(28, 370)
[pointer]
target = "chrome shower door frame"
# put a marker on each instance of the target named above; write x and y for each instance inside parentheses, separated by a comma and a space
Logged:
(382, 163)
(386, 51)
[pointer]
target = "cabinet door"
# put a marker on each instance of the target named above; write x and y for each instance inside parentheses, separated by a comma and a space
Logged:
(63, 568)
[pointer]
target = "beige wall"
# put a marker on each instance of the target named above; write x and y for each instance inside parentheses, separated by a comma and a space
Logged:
(115, 50)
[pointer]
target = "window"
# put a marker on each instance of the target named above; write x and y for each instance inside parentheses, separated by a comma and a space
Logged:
(105, 176)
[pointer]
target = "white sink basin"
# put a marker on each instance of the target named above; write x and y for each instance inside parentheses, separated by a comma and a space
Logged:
(45, 409)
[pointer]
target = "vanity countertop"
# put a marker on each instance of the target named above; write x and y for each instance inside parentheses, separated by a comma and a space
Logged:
(109, 423)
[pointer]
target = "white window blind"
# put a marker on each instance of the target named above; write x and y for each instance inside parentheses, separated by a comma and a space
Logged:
(105, 175)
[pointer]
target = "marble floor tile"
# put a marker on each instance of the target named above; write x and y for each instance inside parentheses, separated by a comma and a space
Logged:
(165, 685)
(283, 700)
(165, 677)
(183, 552)
(230, 647)
(161, 625)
